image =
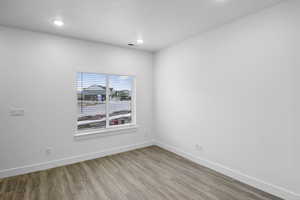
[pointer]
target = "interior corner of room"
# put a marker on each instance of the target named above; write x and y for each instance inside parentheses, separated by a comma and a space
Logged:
(150, 99)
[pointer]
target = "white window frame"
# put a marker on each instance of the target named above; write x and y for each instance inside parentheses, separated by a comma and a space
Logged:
(115, 129)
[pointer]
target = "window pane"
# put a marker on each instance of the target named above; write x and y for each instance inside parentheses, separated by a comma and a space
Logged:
(120, 88)
(91, 94)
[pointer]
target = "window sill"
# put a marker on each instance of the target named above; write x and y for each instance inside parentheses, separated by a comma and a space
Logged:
(107, 131)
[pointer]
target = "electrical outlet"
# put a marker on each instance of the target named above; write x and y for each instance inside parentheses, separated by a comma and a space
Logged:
(198, 147)
(145, 132)
(48, 151)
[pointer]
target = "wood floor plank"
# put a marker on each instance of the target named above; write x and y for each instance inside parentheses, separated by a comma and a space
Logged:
(150, 173)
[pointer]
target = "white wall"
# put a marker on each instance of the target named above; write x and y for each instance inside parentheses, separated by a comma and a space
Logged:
(235, 91)
(38, 73)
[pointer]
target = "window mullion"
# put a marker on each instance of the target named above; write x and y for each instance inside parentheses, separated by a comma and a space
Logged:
(107, 101)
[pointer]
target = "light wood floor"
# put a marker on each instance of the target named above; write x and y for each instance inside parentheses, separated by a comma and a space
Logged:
(150, 173)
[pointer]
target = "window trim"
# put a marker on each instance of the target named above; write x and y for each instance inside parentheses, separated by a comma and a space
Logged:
(116, 129)
(119, 129)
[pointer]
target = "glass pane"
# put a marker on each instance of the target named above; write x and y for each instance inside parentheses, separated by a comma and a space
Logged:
(91, 94)
(120, 88)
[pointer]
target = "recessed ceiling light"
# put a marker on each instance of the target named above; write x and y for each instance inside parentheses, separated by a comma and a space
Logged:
(58, 22)
(140, 41)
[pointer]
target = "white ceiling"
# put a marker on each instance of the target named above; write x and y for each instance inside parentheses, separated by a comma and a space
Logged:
(158, 22)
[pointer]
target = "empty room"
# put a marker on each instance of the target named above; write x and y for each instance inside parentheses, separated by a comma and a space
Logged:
(150, 100)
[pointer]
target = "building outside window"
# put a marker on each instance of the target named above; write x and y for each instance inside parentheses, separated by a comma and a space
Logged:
(104, 101)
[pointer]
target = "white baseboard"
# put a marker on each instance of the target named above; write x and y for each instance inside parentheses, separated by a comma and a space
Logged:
(70, 160)
(262, 185)
(267, 187)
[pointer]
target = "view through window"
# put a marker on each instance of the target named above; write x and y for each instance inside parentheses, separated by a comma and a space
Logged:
(103, 101)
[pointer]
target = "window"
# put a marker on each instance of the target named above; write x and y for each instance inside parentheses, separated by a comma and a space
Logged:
(104, 101)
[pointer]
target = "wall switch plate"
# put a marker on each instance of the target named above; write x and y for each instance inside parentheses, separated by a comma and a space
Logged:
(16, 112)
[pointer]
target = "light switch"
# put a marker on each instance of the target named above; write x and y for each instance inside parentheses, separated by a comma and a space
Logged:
(16, 112)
